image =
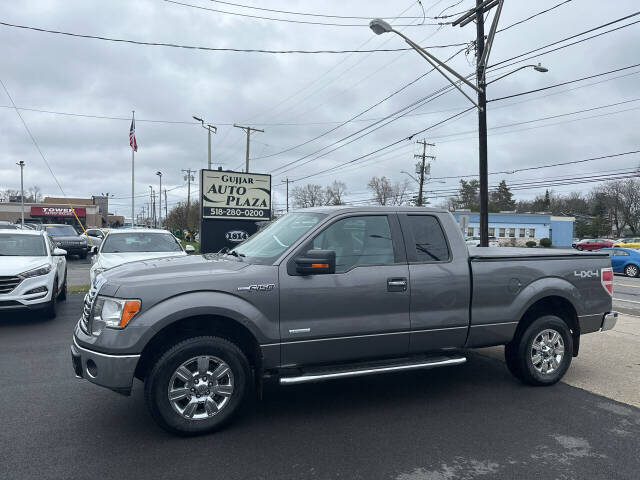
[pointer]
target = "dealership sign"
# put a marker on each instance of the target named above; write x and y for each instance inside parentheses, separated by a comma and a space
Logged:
(235, 195)
(57, 212)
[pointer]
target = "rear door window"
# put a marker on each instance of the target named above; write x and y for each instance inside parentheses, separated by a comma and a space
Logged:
(429, 241)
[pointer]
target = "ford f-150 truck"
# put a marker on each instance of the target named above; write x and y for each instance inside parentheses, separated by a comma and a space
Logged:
(329, 293)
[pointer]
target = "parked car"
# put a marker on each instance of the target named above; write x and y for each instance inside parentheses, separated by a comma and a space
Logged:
(33, 271)
(131, 245)
(329, 293)
(628, 243)
(475, 242)
(66, 237)
(94, 236)
(593, 244)
(9, 226)
(624, 260)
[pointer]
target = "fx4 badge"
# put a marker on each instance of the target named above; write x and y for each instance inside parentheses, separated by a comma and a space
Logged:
(262, 287)
(586, 273)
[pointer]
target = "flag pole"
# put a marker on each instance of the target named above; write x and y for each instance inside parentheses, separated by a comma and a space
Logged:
(133, 152)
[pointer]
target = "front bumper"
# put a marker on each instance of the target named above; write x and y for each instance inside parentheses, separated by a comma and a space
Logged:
(609, 321)
(114, 372)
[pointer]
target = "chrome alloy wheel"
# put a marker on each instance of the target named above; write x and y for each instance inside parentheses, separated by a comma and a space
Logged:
(547, 351)
(631, 271)
(200, 387)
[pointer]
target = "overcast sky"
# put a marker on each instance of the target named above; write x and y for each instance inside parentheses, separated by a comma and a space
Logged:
(93, 77)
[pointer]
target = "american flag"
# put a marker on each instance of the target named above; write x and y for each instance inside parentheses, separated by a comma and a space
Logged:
(132, 135)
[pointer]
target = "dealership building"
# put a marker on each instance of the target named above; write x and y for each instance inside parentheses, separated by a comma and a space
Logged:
(92, 212)
(515, 229)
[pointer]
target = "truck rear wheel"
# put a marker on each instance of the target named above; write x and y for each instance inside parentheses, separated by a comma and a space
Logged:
(198, 385)
(542, 354)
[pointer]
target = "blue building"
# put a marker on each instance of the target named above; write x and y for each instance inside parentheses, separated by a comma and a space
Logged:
(516, 229)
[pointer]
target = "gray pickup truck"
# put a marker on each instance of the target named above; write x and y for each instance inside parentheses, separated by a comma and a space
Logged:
(329, 293)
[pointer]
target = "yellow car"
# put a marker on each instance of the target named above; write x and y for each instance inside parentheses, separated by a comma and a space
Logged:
(628, 243)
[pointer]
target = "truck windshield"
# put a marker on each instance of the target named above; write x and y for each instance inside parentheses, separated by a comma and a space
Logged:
(270, 242)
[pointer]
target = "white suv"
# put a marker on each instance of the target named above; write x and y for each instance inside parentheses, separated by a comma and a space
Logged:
(33, 272)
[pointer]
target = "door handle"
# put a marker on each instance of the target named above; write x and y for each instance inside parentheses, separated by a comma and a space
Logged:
(396, 284)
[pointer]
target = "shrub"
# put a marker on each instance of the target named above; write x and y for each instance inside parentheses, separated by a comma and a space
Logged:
(545, 242)
(531, 244)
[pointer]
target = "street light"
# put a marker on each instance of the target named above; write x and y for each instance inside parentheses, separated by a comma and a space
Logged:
(21, 165)
(379, 26)
(412, 177)
(537, 68)
(208, 128)
(159, 173)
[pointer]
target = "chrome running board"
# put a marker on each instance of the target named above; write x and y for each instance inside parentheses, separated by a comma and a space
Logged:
(372, 370)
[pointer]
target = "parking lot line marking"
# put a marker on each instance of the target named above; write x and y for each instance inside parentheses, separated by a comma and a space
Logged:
(628, 301)
(626, 285)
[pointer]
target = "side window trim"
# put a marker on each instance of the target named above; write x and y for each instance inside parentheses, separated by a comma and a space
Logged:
(410, 241)
(396, 241)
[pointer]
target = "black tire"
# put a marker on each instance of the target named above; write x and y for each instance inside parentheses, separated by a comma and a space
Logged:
(521, 352)
(50, 310)
(631, 270)
(63, 292)
(511, 359)
(157, 383)
(580, 247)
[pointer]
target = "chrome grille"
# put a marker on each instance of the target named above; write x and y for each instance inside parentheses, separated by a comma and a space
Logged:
(89, 299)
(7, 284)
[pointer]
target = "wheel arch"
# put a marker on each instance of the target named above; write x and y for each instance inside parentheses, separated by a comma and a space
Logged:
(195, 326)
(552, 305)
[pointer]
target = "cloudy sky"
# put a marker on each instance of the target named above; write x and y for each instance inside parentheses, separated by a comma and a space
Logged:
(297, 97)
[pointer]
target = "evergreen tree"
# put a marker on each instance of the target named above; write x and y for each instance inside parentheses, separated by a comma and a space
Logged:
(502, 198)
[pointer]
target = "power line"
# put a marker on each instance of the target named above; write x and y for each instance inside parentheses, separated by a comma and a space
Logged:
(329, 16)
(538, 167)
(211, 49)
(391, 118)
(568, 38)
(564, 83)
(368, 109)
(273, 19)
(532, 16)
(385, 147)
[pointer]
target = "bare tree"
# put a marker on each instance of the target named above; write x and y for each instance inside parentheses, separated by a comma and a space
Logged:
(386, 193)
(34, 193)
(335, 193)
(309, 196)
(631, 203)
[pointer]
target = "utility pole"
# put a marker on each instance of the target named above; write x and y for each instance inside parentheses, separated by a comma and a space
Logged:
(21, 165)
(422, 167)
(248, 130)
(151, 207)
(209, 128)
(482, 126)
(189, 178)
(287, 181)
(159, 173)
(166, 214)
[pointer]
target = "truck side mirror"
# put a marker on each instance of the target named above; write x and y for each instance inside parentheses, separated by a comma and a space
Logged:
(315, 262)
(93, 250)
(189, 249)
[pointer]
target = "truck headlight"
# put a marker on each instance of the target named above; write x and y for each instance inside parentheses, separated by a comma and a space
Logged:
(36, 272)
(113, 313)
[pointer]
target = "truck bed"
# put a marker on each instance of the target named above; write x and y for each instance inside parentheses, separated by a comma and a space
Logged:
(521, 253)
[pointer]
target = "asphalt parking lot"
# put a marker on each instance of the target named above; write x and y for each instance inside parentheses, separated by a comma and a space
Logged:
(78, 271)
(472, 421)
(626, 294)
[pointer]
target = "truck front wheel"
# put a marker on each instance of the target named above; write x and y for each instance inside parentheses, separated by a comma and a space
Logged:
(198, 385)
(542, 354)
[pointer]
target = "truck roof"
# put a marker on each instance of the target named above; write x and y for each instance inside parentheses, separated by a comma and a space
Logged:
(392, 209)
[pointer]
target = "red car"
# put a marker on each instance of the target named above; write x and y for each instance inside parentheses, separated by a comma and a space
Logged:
(591, 244)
